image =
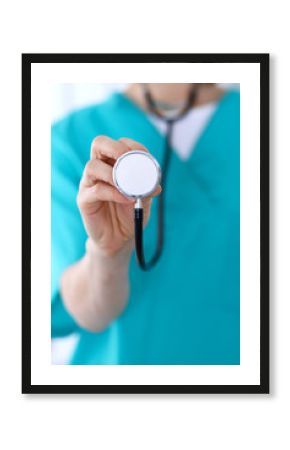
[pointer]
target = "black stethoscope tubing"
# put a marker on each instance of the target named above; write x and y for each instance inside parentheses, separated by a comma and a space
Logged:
(138, 211)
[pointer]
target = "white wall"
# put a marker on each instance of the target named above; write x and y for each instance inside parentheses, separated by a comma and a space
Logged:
(66, 97)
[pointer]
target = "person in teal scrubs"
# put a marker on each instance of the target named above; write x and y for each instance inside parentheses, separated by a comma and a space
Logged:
(186, 310)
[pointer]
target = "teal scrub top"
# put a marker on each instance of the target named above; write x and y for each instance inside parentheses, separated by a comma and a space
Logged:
(186, 310)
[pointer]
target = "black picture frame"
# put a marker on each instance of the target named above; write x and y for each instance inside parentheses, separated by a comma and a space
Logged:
(263, 61)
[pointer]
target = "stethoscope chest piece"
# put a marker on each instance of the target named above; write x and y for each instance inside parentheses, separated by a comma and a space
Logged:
(136, 174)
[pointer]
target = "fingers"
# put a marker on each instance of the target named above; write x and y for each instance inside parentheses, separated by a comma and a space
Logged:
(148, 200)
(133, 145)
(108, 150)
(105, 148)
(101, 192)
(96, 170)
(97, 182)
(157, 191)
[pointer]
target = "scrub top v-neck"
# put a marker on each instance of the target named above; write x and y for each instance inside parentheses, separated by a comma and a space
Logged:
(187, 309)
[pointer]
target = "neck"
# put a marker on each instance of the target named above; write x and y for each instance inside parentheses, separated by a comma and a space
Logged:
(174, 93)
(171, 93)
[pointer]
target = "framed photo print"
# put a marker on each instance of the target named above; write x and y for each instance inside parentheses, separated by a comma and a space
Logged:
(145, 223)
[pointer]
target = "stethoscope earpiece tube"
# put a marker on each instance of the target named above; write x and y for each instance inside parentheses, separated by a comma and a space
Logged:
(138, 213)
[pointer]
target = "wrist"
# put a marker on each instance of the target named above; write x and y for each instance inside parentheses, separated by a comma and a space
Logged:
(107, 260)
(110, 274)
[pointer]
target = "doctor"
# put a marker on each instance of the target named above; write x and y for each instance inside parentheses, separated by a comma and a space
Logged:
(186, 309)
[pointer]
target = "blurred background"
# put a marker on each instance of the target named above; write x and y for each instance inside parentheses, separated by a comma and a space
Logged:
(64, 99)
(67, 97)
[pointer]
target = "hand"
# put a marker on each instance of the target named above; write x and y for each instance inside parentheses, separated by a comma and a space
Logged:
(107, 214)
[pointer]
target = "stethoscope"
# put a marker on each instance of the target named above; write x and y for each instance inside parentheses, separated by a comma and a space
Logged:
(137, 174)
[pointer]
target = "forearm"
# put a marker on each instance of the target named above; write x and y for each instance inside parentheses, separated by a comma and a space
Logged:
(95, 290)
